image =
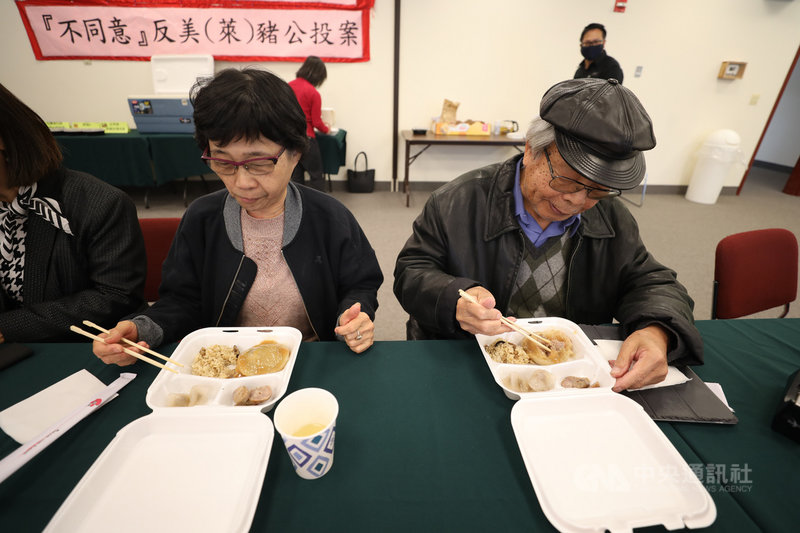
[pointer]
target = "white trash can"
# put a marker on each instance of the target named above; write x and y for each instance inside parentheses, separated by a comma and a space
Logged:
(714, 161)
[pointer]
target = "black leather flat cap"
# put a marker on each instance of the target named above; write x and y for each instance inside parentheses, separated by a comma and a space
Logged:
(601, 130)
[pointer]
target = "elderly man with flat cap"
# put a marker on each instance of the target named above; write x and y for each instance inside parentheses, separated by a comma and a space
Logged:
(543, 234)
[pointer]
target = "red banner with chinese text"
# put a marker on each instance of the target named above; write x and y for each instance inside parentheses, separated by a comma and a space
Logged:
(290, 30)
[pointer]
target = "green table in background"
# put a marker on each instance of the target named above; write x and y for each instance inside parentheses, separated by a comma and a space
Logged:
(334, 151)
(175, 156)
(424, 440)
(135, 159)
(152, 159)
(121, 159)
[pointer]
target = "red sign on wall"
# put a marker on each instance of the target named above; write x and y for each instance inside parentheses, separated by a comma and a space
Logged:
(335, 30)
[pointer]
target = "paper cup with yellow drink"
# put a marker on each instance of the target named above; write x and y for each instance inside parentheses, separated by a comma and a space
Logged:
(306, 420)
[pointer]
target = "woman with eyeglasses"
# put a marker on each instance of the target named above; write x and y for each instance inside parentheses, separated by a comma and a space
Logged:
(311, 74)
(60, 263)
(263, 251)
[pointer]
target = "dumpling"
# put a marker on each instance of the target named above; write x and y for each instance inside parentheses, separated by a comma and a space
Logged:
(264, 358)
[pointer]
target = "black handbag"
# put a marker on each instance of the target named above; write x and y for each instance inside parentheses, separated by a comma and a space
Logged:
(361, 180)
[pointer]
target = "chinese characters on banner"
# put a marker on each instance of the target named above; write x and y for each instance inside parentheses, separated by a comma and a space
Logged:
(124, 31)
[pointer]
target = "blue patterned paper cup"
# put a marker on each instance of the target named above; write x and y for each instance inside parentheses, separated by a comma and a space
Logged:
(306, 421)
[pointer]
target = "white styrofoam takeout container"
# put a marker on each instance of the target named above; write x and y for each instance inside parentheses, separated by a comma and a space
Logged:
(222, 389)
(185, 469)
(596, 461)
(588, 361)
(599, 463)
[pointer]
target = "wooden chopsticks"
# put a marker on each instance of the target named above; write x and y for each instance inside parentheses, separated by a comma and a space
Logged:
(144, 358)
(128, 341)
(538, 340)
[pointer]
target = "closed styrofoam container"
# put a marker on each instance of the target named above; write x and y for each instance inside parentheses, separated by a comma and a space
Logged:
(596, 461)
(599, 463)
(185, 469)
(174, 472)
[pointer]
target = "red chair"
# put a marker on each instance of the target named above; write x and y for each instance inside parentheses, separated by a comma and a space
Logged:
(754, 271)
(158, 234)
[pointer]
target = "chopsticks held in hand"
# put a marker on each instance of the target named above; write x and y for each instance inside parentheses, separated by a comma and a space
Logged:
(533, 337)
(128, 341)
(144, 358)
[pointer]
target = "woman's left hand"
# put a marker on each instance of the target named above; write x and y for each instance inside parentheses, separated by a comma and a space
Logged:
(356, 328)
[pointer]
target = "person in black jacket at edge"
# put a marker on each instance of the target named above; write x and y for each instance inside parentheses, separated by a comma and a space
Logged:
(543, 234)
(263, 251)
(60, 261)
(596, 63)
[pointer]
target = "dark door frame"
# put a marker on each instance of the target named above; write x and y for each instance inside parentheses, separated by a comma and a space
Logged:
(769, 121)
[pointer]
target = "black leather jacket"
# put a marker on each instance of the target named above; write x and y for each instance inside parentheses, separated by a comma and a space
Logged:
(468, 235)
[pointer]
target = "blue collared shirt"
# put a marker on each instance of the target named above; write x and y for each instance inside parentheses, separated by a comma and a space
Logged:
(531, 228)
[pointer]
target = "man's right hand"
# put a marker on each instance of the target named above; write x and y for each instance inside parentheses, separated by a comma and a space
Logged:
(111, 352)
(483, 318)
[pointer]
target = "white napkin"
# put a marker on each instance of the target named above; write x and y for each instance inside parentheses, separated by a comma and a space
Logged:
(716, 388)
(610, 349)
(28, 418)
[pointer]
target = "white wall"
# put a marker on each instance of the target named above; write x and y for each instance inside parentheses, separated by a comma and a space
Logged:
(781, 143)
(499, 62)
(496, 59)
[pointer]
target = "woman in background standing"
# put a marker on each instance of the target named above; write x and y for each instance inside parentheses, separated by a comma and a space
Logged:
(310, 76)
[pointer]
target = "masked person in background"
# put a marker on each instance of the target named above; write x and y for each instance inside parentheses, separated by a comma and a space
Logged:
(543, 234)
(263, 251)
(70, 245)
(596, 63)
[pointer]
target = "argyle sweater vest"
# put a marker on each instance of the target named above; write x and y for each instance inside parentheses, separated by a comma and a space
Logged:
(539, 288)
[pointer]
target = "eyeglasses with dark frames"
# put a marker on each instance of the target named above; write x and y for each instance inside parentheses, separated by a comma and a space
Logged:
(257, 166)
(567, 185)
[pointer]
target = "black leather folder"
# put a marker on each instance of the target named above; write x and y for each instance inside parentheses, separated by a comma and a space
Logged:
(692, 401)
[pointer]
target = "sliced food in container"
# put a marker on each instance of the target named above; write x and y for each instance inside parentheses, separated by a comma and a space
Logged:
(522, 368)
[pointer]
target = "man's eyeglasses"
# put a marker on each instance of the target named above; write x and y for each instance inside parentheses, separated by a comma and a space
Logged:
(592, 43)
(568, 185)
(258, 166)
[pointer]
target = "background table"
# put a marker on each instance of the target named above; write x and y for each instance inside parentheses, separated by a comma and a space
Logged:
(135, 159)
(121, 159)
(152, 159)
(334, 151)
(424, 440)
(429, 139)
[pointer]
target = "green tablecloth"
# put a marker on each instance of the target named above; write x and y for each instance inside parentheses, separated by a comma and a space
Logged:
(753, 360)
(120, 159)
(424, 439)
(175, 156)
(147, 159)
(334, 151)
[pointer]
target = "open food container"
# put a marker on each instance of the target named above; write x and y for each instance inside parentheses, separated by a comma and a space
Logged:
(585, 361)
(218, 392)
(189, 469)
(596, 461)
